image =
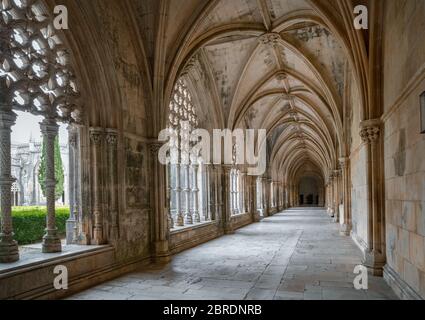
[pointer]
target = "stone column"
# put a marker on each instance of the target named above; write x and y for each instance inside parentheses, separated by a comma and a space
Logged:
(179, 212)
(195, 214)
(168, 197)
(211, 192)
(112, 141)
(375, 256)
(253, 197)
(187, 214)
(51, 240)
(227, 214)
(336, 195)
(71, 223)
(96, 137)
(331, 195)
(8, 247)
(346, 226)
(158, 199)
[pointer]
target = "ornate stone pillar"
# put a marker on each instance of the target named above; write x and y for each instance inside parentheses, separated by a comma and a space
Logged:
(346, 226)
(179, 212)
(211, 191)
(337, 174)
(112, 141)
(96, 138)
(253, 197)
(375, 256)
(71, 223)
(51, 241)
(158, 199)
(331, 194)
(168, 197)
(227, 214)
(8, 247)
(187, 191)
(195, 214)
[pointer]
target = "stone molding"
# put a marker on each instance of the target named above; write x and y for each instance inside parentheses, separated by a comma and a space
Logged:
(399, 286)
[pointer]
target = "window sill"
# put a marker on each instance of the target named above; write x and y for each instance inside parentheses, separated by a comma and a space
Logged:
(176, 230)
(31, 256)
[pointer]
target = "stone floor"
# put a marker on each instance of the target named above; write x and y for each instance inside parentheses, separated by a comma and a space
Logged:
(297, 254)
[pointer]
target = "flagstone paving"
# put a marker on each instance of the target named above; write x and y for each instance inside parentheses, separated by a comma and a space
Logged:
(297, 254)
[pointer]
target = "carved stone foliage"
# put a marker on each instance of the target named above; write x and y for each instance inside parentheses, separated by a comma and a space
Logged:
(370, 130)
(137, 195)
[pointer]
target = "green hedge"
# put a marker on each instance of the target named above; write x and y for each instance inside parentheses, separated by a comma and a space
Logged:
(29, 223)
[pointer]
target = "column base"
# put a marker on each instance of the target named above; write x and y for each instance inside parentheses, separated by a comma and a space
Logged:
(51, 242)
(188, 219)
(9, 251)
(374, 263)
(228, 228)
(196, 218)
(345, 230)
(98, 237)
(162, 252)
(179, 221)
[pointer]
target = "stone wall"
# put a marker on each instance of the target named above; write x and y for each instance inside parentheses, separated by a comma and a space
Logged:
(404, 81)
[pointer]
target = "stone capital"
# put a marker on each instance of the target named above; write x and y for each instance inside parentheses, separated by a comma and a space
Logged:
(7, 119)
(112, 137)
(96, 135)
(154, 147)
(370, 130)
(49, 127)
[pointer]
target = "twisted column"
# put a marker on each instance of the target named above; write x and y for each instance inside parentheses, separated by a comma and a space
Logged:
(51, 240)
(8, 246)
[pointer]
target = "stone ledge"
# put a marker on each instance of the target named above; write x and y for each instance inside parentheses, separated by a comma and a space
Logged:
(194, 226)
(399, 286)
(33, 258)
(85, 269)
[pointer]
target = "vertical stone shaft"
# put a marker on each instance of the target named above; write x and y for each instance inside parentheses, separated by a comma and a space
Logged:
(195, 216)
(112, 140)
(51, 240)
(8, 246)
(96, 137)
(177, 190)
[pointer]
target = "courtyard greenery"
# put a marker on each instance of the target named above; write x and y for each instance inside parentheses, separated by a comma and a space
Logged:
(29, 223)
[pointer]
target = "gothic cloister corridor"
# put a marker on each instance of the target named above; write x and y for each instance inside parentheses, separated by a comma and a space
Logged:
(212, 149)
(294, 255)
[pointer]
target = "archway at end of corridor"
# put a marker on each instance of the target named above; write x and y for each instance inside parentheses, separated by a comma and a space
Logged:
(310, 191)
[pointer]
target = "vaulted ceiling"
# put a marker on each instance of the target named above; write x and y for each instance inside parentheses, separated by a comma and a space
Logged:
(269, 64)
(279, 65)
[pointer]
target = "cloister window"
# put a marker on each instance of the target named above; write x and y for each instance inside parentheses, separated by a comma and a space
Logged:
(187, 171)
(35, 77)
